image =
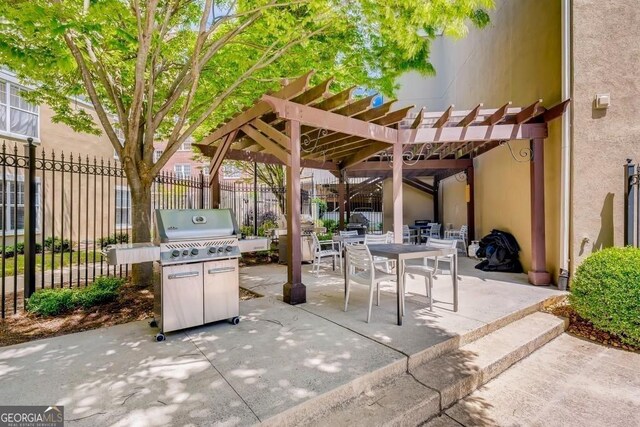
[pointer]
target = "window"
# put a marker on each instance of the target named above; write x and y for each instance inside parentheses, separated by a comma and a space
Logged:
(231, 171)
(182, 170)
(123, 207)
(17, 116)
(156, 155)
(13, 204)
(186, 146)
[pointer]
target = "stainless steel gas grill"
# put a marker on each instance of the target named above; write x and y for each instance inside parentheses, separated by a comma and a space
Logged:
(199, 269)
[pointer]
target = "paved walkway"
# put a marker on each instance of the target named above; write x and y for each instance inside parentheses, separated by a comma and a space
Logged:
(568, 382)
(278, 357)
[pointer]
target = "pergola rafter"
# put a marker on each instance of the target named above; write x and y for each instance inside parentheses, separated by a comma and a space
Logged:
(301, 125)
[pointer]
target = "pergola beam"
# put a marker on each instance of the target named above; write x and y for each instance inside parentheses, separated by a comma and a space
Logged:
(497, 115)
(473, 133)
(328, 120)
(419, 165)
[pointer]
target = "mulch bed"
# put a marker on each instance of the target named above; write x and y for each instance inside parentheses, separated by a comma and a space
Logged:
(584, 329)
(253, 258)
(132, 304)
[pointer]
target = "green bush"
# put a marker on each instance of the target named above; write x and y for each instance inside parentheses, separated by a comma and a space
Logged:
(57, 244)
(103, 290)
(113, 239)
(330, 224)
(606, 291)
(11, 251)
(50, 302)
(246, 230)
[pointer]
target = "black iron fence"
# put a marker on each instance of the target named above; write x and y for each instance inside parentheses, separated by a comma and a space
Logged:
(632, 204)
(79, 204)
(260, 207)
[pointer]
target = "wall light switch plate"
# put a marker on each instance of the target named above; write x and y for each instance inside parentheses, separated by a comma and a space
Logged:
(602, 101)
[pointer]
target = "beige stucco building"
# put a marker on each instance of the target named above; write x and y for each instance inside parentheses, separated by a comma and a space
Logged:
(550, 50)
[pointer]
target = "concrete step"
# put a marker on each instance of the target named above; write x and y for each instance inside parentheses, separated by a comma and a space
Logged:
(428, 389)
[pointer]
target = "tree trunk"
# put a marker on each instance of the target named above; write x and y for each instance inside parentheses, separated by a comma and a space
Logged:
(142, 273)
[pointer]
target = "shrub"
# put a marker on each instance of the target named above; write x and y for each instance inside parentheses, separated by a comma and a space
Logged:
(103, 290)
(322, 206)
(113, 239)
(606, 291)
(246, 230)
(57, 244)
(8, 251)
(49, 302)
(330, 224)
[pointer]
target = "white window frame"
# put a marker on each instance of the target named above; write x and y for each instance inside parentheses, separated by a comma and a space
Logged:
(9, 179)
(125, 206)
(8, 81)
(157, 153)
(180, 173)
(186, 146)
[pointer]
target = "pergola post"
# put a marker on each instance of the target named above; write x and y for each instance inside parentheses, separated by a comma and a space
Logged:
(538, 274)
(294, 292)
(341, 200)
(471, 204)
(436, 200)
(214, 188)
(397, 192)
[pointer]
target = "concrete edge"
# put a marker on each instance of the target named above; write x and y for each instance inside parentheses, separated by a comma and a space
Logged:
(318, 405)
(459, 341)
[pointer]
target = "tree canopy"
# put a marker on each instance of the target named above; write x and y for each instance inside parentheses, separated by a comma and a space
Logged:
(167, 69)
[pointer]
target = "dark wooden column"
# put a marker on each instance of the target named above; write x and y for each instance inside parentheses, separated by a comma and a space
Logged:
(342, 197)
(294, 292)
(214, 189)
(538, 275)
(347, 198)
(471, 204)
(436, 200)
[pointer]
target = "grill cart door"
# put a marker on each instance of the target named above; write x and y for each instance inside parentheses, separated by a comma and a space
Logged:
(221, 290)
(182, 296)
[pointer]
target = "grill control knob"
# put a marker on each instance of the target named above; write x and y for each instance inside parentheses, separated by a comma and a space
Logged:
(185, 252)
(212, 250)
(220, 249)
(175, 253)
(194, 252)
(229, 248)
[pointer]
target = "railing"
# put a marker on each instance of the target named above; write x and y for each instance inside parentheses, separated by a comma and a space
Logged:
(632, 205)
(79, 205)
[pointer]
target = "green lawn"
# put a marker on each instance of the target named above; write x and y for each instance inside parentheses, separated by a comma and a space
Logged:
(9, 262)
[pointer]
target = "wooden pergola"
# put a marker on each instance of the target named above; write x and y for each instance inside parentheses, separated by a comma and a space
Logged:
(307, 126)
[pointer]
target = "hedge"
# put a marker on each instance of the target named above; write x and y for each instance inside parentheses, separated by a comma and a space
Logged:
(606, 291)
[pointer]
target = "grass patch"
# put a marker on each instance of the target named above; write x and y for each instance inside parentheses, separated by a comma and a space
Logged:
(49, 260)
(50, 302)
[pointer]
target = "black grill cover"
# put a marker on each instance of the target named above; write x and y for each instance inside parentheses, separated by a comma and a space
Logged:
(501, 252)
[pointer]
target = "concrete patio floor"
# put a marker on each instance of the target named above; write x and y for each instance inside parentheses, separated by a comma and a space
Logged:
(278, 361)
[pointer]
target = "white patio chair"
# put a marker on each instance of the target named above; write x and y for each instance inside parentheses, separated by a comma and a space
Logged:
(361, 269)
(422, 267)
(409, 235)
(319, 252)
(381, 262)
(459, 236)
(434, 230)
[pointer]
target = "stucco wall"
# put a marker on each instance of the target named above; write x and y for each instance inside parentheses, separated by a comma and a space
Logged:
(416, 204)
(453, 201)
(606, 59)
(517, 58)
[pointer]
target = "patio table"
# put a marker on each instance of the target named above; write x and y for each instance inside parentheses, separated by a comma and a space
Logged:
(348, 240)
(401, 252)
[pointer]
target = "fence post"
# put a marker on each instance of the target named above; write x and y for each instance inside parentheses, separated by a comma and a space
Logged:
(201, 190)
(255, 198)
(630, 179)
(30, 222)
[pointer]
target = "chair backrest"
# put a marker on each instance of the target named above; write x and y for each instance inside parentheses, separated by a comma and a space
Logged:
(373, 239)
(359, 260)
(406, 231)
(464, 230)
(390, 237)
(441, 243)
(434, 230)
(315, 244)
(351, 233)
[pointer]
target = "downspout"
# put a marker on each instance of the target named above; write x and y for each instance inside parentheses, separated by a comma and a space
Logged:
(565, 179)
